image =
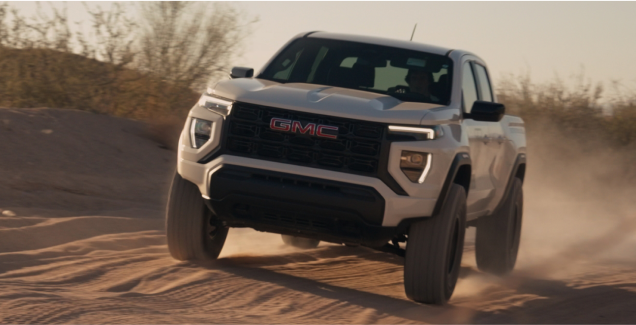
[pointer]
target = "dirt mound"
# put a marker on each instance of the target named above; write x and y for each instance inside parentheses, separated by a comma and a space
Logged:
(79, 161)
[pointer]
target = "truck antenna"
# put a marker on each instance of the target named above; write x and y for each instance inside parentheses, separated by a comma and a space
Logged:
(413, 32)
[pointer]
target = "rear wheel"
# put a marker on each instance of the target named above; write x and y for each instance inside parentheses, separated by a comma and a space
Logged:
(434, 251)
(498, 235)
(193, 232)
(300, 242)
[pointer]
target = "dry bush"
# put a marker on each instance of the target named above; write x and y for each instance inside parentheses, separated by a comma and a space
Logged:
(187, 43)
(565, 123)
(150, 67)
(43, 77)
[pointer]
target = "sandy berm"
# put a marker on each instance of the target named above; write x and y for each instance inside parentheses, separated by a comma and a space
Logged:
(82, 240)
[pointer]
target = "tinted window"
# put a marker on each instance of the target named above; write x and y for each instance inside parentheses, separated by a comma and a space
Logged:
(469, 89)
(485, 91)
(407, 75)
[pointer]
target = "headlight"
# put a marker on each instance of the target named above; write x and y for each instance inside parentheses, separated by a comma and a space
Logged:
(216, 105)
(415, 165)
(416, 133)
(200, 132)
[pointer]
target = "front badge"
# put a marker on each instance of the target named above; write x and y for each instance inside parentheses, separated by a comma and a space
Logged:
(319, 130)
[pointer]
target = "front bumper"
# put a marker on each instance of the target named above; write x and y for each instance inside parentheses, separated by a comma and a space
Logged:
(396, 207)
(298, 205)
(419, 201)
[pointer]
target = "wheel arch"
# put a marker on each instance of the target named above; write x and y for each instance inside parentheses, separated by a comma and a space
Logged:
(521, 170)
(463, 176)
(518, 171)
(460, 172)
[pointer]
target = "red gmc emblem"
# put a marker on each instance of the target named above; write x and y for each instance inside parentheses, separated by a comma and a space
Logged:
(325, 131)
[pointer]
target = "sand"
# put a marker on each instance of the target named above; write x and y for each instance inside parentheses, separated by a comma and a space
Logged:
(82, 241)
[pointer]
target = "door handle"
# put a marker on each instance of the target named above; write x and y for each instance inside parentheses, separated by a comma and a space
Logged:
(501, 139)
(487, 139)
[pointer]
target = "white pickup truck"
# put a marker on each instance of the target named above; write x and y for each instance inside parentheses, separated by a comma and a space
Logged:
(356, 140)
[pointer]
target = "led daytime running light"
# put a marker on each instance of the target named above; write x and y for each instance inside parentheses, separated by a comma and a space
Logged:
(431, 133)
(429, 159)
(416, 165)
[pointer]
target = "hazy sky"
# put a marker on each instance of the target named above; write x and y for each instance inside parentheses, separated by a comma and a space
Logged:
(542, 38)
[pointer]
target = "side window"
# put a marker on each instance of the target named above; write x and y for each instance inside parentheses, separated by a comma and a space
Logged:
(469, 89)
(485, 90)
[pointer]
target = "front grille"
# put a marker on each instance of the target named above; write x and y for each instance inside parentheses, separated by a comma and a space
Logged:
(356, 150)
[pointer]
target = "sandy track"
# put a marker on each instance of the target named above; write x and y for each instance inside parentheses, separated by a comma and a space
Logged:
(87, 245)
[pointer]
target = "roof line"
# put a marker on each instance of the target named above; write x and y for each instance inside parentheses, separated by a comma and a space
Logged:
(316, 31)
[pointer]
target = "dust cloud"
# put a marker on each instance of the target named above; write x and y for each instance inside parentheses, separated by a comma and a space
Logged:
(580, 204)
(579, 224)
(242, 242)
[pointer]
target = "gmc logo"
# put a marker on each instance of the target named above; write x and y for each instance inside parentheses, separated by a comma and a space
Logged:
(325, 131)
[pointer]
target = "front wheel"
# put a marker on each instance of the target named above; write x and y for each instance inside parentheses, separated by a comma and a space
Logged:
(193, 231)
(434, 251)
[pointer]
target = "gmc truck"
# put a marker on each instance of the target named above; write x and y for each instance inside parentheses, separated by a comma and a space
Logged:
(356, 140)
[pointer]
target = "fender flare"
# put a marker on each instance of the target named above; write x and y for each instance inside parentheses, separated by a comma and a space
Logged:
(516, 169)
(461, 159)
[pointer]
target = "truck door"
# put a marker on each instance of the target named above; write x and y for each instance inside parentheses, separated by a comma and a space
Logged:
(480, 193)
(499, 166)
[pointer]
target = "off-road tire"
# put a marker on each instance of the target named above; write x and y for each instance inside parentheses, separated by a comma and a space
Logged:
(300, 242)
(434, 251)
(192, 230)
(498, 235)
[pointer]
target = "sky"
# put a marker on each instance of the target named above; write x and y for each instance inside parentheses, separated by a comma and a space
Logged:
(542, 39)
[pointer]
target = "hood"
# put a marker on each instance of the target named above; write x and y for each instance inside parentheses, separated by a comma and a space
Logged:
(328, 100)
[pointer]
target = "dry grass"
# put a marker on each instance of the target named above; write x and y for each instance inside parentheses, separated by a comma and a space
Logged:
(568, 123)
(44, 77)
(577, 110)
(150, 67)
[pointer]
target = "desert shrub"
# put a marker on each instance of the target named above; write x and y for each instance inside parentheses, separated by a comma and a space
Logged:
(565, 124)
(622, 125)
(187, 43)
(148, 67)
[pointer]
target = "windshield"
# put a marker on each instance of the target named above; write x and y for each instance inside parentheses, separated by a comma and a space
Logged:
(405, 74)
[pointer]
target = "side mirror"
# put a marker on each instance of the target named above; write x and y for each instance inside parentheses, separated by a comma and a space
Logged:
(486, 111)
(241, 72)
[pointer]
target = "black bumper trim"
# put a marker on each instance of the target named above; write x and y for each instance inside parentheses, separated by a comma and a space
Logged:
(298, 205)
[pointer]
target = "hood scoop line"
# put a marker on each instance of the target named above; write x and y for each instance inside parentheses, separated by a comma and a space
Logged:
(316, 95)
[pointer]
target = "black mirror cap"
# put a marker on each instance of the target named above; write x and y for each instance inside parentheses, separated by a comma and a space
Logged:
(242, 72)
(486, 111)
